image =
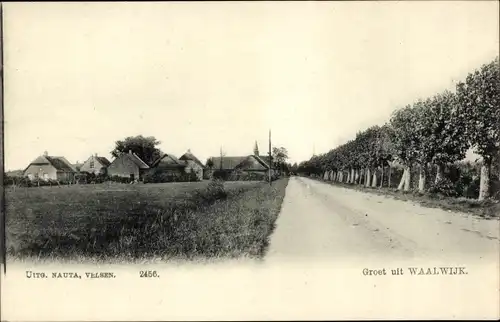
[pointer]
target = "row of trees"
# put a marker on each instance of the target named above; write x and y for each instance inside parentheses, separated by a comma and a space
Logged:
(431, 133)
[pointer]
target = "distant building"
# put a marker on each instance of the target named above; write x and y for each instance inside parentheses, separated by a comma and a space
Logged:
(95, 164)
(47, 167)
(128, 165)
(192, 164)
(231, 166)
(168, 166)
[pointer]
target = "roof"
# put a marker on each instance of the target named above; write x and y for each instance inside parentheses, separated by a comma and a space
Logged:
(105, 162)
(189, 156)
(228, 163)
(263, 158)
(59, 163)
(135, 159)
(168, 161)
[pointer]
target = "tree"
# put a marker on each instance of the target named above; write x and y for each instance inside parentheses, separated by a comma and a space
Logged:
(479, 99)
(279, 155)
(447, 140)
(210, 163)
(144, 147)
(405, 138)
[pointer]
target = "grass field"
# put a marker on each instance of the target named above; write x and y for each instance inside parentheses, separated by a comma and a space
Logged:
(129, 222)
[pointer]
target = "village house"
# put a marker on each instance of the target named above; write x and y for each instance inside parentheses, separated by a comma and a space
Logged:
(168, 165)
(231, 166)
(127, 165)
(192, 164)
(47, 167)
(174, 168)
(95, 164)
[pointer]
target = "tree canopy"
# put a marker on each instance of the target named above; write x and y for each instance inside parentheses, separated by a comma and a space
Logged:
(144, 147)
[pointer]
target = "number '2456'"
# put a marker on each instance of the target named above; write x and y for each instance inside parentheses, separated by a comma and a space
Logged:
(148, 274)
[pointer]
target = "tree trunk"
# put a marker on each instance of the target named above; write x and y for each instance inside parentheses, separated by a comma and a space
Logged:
(356, 176)
(403, 179)
(348, 177)
(382, 178)
(367, 180)
(341, 176)
(439, 172)
(421, 178)
(374, 180)
(407, 179)
(484, 183)
(352, 176)
(389, 177)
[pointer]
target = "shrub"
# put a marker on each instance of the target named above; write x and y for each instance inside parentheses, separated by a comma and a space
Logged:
(216, 189)
(161, 176)
(445, 188)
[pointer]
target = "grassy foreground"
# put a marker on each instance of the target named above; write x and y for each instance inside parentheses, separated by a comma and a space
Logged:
(488, 209)
(119, 222)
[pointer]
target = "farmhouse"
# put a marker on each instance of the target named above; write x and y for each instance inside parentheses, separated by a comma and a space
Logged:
(95, 164)
(253, 164)
(47, 167)
(192, 164)
(168, 165)
(128, 165)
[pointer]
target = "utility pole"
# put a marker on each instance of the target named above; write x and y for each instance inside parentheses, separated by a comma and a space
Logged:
(221, 156)
(270, 158)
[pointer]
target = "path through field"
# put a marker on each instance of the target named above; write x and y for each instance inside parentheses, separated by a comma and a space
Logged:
(327, 222)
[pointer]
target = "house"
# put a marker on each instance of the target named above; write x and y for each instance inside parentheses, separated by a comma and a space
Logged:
(128, 165)
(168, 165)
(47, 167)
(253, 164)
(95, 164)
(192, 164)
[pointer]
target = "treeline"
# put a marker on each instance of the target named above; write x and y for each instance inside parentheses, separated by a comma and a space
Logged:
(429, 136)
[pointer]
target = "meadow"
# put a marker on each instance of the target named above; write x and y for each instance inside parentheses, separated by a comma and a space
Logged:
(120, 222)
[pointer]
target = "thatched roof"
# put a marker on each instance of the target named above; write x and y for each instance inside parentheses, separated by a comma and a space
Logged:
(135, 158)
(168, 161)
(227, 163)
(233, 162)
(60, 163)
(189, 156)
(105, 162)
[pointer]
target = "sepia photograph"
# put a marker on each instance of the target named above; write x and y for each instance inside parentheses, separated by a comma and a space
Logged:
(250, 160)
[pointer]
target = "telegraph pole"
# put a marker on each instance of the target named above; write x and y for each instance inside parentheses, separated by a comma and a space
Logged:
(270, 158)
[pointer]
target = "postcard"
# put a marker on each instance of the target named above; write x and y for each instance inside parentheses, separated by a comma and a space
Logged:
(250, 160)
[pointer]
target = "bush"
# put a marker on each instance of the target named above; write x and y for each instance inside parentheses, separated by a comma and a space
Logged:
(445, 188)
(162, 176)
(119, 179)
(214, 191)
(221, 175)
(16, 181)
(249, 176)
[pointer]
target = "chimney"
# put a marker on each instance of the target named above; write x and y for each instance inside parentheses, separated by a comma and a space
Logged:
(95, 154)
(45, 153)
(189, 150)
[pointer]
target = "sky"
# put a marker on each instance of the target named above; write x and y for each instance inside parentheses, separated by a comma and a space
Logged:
(201, 76)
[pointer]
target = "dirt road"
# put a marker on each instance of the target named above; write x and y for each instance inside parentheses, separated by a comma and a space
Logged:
(322, 221)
